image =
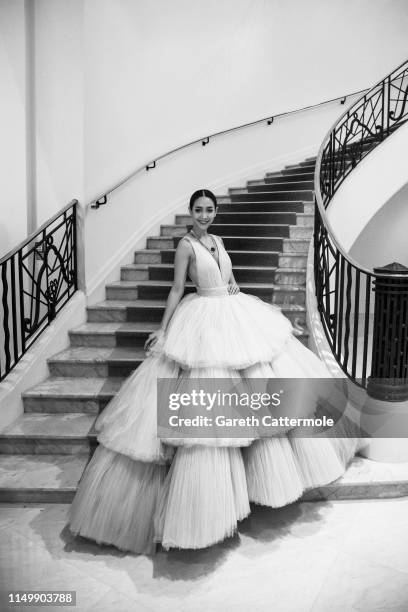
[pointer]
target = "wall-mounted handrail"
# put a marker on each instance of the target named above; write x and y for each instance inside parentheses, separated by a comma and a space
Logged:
(37, 278)
(102, 198)
(352, 317)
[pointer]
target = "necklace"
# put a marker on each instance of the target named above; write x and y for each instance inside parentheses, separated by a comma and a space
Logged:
(209, 249)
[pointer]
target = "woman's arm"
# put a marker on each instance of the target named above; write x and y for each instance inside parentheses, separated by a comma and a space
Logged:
(181, 261)
(232, 285)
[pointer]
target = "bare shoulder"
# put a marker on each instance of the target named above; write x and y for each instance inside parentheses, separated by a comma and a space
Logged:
(184, 247)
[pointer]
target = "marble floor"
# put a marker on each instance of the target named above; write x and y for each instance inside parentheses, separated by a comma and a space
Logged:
(312, 556)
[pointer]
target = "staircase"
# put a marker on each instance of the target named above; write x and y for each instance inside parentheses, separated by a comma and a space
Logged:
(266, 227)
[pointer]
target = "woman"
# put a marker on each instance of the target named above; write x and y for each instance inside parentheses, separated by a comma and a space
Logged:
(185, 493)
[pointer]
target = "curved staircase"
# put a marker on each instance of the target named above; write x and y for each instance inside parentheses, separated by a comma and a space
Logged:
(266, 227)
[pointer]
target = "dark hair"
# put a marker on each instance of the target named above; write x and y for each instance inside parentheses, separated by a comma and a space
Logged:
(202, 193)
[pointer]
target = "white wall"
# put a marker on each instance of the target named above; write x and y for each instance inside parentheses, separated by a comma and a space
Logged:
(160, 74)
(13, 187)
(59, 95)
(114, 231)
(118, 82)
(384, 238)
(374, 181)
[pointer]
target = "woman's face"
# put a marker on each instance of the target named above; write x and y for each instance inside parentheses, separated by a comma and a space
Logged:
(203, 213)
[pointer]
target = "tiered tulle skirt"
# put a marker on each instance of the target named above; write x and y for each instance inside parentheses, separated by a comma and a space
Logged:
(137, 491)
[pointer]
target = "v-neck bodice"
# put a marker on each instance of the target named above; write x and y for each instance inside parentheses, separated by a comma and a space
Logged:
(210, 274)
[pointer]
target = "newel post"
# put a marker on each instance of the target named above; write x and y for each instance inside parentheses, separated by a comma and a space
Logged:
(389, 362)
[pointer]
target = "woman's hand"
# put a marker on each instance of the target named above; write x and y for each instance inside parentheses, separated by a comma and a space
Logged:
(153, 338)
(233, 288)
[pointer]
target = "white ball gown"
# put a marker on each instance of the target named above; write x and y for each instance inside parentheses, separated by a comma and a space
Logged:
(137, 491)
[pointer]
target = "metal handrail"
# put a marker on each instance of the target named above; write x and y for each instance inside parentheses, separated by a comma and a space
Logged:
(343, 286)
(101, 198)
(31, 236)
(318, 192)
(37, 278)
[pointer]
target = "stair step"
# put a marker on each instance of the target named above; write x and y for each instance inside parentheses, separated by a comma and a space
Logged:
(303, 164)
(300, 231)
(296, 245)
(268, 196)
(152, 310)
(43, 434)
(253, 258)
(240, 229)
(271, 178)
(148, 256)
(242, 273)
(126, 290)
(246, 243)
(54, 479)
(265, 207)
(112, 334)
(62, 395)
(96, 362)
(97, 336)
(247, 229)
(248, 217)
(304, 172)
(40, 478)
(275, 185)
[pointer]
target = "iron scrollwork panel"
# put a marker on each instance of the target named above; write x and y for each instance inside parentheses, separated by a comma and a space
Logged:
(37, 280)
(48, 275)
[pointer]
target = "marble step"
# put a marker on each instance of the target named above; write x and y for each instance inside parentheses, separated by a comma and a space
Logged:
(112, 311)
(237, 229)
(271, 178)
(111, 334)
(300, 177)
(279, 177)
(265, 207)
(45, 434)
(158, 289)
(252, 258)
(252, 229)
(54, 479)
(136, 272)
(233, 215)
(250, 218)
(300, 231)
(275, 185)
(268, 196)
(302, 164)
(133, 334)
(90, 362)
(294, 243)
(40, 478)
(65, 395)
(296, 172)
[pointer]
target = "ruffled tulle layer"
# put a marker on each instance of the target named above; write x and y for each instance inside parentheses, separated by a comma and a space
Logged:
(203, 496)
(128, 425)
(138, 489)
(234, 331)
(116, 500)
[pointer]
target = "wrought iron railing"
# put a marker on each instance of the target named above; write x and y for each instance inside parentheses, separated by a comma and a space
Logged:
(36, 280)
(357, 332)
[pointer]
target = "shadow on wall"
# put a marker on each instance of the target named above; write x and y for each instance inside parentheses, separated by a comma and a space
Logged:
(4, 241)
(384, 238)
